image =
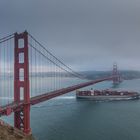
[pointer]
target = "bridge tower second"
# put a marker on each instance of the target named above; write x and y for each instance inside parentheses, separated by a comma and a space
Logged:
(21, 86)
(117, 77)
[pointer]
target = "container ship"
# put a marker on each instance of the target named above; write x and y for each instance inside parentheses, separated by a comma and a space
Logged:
(101, 95)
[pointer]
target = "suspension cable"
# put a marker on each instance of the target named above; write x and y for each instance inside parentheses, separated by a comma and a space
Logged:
(75, 73)
(2, 41)
(8, 36)
(52, 60)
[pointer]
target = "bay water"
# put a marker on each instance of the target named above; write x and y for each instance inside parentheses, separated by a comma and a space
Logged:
(66, 118)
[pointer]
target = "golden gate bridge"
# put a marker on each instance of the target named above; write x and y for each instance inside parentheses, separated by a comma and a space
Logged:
(23, 60)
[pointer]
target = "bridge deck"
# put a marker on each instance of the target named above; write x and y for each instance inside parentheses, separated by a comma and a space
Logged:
(6, 110)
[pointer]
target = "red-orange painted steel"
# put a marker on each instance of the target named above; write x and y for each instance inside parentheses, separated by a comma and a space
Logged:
(22, 116)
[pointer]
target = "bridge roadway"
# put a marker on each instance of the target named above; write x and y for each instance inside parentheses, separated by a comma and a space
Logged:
(8, 109)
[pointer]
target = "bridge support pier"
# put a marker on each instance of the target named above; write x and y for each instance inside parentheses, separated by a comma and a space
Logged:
(21, 84)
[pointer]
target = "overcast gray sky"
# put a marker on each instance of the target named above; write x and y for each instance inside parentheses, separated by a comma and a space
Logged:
(85, 34)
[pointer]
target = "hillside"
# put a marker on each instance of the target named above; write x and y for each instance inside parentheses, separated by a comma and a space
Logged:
(7, 132)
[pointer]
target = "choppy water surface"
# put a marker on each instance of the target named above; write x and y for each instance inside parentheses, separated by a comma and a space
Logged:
(65, 118)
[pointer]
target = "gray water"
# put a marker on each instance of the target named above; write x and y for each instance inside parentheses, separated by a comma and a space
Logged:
(65, 118)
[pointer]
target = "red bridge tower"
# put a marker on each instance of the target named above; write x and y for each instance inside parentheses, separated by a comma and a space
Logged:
(21, 86)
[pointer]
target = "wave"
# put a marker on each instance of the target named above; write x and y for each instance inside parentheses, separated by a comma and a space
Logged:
(65, 97)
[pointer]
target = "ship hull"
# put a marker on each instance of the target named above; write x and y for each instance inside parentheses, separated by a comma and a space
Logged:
(103, 98)
(101, 95)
